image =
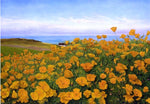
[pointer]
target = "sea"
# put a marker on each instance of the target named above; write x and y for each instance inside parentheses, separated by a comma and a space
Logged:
(61, 39)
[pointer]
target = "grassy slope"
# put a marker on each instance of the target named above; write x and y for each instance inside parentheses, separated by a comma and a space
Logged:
(6, 50)
(24, 42)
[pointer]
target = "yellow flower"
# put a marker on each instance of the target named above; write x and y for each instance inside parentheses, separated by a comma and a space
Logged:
(103, 76)
(42, 69)
(128, 98)
(34, 96)
(103, 85)
(145, 89)
(14, 94)
(5, 93)
(82, 81)
(63, 82)
(99, 37)
(68, 74)
(126, 40)
(44, 86)
(123, 36)
(76, 94)
(148, 100)
(87, 66)
(113, 29)
(91, 77)
(87, 93)
(23, 96)
(132, 32)
(133, 79)
(23, 84)
(113, 80)
(15, 85)
(148, 32)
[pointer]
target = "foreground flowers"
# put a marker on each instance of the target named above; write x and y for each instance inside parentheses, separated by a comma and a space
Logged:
(85, 71)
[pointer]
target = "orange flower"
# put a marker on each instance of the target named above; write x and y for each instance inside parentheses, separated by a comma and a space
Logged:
(145, 89)
(133, 79)
(128, 98)
(68, 74)
(147, 61)
(23, 96)
(15, 85)
(132, 32)
(40, 92)
(68, 65)
(148, 100)
(137, 93)
(5, 93)
(113, 80)
(23, 84)
(134, 53)
(113, 29)
(82, 81)
(42, 69)
(76, 94)
(103, 85)
(87, 93)
(123, 36)
(91, 77)
(99, 37)
(31, 78)
(103, 76)
(63, 82)
(44, 86)
(14, 94)
(128, 89)
(121, 68)
(104, 36)
(137, 35)
(96, 94)
(34, 96)
(87, 66)
(148, 32)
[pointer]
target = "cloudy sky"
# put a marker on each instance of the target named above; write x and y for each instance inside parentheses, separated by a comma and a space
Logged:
(50, 17)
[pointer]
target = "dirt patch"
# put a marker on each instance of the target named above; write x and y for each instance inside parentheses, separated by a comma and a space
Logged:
(28, 47)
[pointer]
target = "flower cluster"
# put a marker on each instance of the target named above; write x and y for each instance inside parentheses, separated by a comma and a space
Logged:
(85, 71)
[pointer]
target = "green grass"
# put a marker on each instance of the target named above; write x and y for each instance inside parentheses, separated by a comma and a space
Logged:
(5, 50)
(24, 42)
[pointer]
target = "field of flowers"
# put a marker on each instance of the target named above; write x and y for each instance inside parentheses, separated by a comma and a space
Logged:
(84, 72)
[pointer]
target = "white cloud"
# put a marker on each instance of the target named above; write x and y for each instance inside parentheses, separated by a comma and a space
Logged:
(95, 24)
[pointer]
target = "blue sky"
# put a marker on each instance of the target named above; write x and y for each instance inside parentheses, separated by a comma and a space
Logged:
(47, 17)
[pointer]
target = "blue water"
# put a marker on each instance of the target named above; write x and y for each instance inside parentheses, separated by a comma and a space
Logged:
(58, 39)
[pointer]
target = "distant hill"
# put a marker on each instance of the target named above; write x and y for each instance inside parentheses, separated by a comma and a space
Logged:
(25, 43)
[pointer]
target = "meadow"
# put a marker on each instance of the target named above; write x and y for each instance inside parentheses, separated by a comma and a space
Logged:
(85, 71)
